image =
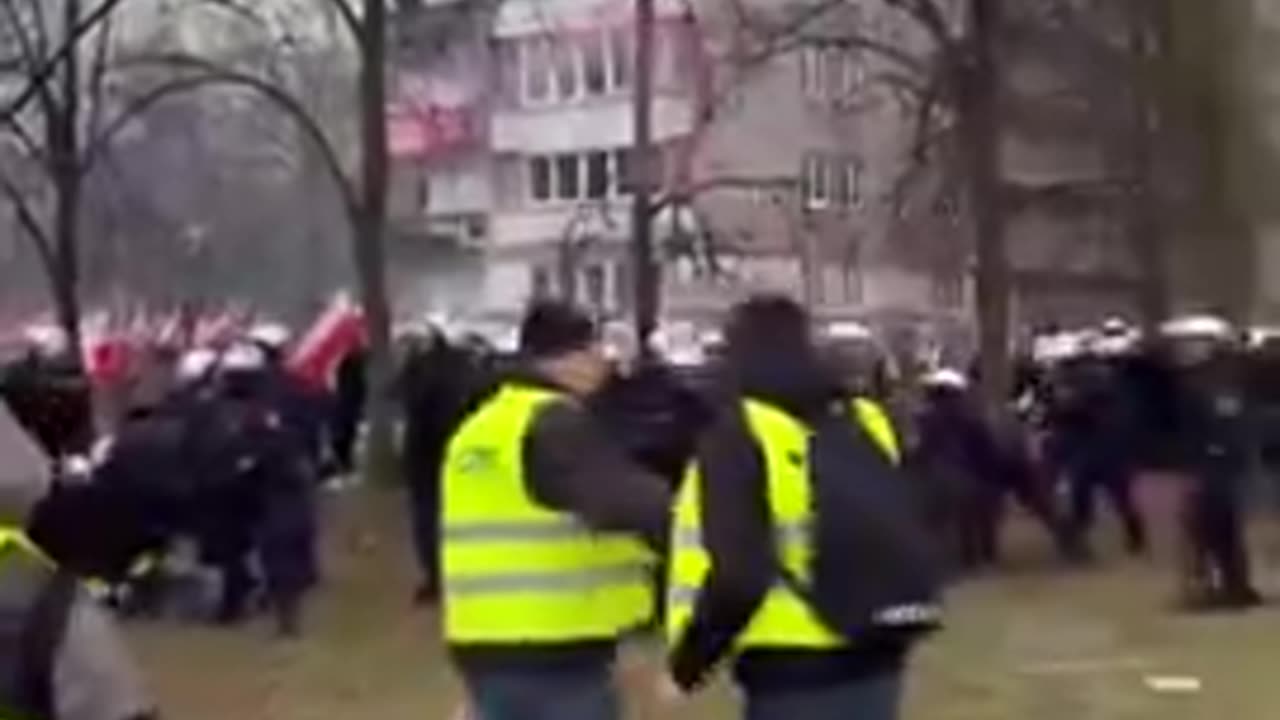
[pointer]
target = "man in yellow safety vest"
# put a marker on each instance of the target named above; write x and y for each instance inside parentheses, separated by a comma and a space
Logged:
(547, 535)
(743, 523)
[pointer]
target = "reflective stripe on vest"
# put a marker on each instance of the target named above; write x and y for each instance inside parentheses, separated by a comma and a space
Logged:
(878, 425)
(783, 619)
(10, 536)
(515, 571)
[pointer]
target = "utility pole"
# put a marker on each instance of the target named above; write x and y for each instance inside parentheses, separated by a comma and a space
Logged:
(645, 272)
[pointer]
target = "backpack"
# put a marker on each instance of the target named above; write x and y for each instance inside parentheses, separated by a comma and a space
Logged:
(874, 569)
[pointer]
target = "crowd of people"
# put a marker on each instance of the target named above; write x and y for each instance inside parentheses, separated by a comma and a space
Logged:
(564, 500)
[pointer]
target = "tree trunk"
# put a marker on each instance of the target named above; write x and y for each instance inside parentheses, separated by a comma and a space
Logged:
(64, 154)
(1147, 44)
(368, 250)
(979, 126)
(1207, 72)
(645, 272)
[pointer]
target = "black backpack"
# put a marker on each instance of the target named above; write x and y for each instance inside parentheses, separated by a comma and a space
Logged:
(874, 570)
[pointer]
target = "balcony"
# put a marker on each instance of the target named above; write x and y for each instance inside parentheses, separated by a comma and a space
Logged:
(603, 124)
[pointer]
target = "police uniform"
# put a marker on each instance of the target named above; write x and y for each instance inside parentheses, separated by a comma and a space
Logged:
(521, 580)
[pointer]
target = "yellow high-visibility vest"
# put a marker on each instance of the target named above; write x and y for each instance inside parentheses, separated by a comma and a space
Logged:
(17, 538)
(514, 571)
(784, 619)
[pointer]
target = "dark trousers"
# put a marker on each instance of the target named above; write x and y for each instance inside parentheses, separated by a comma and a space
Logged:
(1221, 560)
(424, 517)
(343, 432)
(580, 694)
(873, 698)
(286, 546)
(1116, 482)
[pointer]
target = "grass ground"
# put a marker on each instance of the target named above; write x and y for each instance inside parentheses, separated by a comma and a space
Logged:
(1034, 643)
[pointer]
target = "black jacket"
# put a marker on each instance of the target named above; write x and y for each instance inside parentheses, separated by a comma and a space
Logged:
(737, 530)
(572, 467)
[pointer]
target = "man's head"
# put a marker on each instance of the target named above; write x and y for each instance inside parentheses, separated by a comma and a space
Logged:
(561, 342)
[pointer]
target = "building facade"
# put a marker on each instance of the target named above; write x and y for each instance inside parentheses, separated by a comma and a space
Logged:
(775, 179)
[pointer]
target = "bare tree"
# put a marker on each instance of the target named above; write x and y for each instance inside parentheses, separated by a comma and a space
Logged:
(61, 55)
(949, 86)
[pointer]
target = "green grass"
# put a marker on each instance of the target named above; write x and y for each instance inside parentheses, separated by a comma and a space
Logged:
(1034, 643)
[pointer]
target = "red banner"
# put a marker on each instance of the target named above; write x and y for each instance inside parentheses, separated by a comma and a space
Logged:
(417, 133)
(337, 332)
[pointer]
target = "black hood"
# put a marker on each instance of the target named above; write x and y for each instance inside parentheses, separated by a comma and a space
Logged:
(794, 379)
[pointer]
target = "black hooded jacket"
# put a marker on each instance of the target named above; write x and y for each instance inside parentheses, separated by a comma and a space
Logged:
(736, 525)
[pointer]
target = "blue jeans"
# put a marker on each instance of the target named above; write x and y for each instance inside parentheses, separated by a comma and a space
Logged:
(873, 698)
(587, 694)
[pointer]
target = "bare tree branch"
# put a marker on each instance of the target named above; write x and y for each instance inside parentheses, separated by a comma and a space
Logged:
(29, 145)
(30, 40)
(930, 16)
(687, 194)
(799, 31)
(350, 19)
(97, 76)
(207, 73)
(43, 246)
(38, 79)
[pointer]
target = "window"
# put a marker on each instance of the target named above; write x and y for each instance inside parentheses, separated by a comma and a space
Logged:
(623, 182)
(595, 281)
(539, 282)
(569, 68)
(849, 184)
(566, 54)
(567, 181)
(833, 66)
(946, 209)
(854, 291)
(597, 175)
(422, 188)
(622, 285)
(594, 65)
(540, 178)
(817, 182)
(810, 71)
(948, 290)
(620, 57)
(855, 74)
(831, 73)
(536, 70)
(592, 175)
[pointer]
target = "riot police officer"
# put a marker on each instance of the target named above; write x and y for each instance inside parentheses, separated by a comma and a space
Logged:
(1212, 440)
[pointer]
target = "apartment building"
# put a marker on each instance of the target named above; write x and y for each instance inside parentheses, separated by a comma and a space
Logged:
(1063, 149)
(442, 202)
(561, 136)
(782, 172)
(825, 142)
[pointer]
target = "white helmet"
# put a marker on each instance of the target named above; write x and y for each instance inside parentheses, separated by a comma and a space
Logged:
(243, 357)
(946, 378)
(195, 364)
(1057, 347)
(1197, 327)
(272, 335)
(46, 339)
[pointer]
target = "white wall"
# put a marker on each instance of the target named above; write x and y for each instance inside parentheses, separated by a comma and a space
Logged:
(604, 124)
(529, 17)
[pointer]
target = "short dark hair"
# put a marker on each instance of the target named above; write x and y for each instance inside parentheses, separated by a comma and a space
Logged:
(767, 324)
(555, 327)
